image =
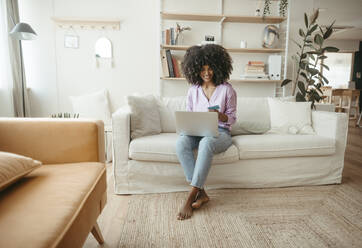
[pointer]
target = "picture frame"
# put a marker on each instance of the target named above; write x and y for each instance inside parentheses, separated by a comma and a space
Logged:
(71, 41)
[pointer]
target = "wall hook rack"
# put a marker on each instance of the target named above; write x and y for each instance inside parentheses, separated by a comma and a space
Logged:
(91, 23)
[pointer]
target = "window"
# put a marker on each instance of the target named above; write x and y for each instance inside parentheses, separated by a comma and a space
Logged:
(340, 66)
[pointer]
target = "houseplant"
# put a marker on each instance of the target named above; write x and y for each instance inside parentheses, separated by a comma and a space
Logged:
(309, 77)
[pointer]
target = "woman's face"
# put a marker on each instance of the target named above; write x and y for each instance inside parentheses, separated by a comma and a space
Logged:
(206, 73)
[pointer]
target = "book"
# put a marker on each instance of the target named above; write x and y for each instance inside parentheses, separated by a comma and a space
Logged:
(176, 67)
(169, 63)
(172, 36)
(168, 37)
(179, 62)
(164, 63)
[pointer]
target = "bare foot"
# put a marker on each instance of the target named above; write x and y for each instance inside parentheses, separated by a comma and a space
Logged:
(186, 211)
(201, 199)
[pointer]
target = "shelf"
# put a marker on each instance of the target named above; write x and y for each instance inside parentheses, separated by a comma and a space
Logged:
(231, 50)
(70, 22)
(218, 18)
(232, 80)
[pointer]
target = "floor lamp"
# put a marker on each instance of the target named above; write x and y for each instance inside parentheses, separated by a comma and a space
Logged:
(22, 31)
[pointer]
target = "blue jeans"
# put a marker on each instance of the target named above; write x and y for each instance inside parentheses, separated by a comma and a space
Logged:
(196, 171)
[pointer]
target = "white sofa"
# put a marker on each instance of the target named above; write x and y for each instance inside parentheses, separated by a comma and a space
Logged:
(149, 164)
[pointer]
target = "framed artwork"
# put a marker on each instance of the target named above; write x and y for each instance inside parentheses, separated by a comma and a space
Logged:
(71, 41)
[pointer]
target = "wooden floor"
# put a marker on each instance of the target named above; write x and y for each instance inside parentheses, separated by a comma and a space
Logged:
(111, 220)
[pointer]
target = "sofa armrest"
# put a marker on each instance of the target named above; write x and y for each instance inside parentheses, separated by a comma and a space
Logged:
(331, 125)
(53, 140)
(121, 130)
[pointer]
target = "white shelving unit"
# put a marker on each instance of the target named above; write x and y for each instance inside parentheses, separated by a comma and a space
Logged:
(221, 19)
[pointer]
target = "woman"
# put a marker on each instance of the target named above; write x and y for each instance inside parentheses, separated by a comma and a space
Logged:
(207, 68)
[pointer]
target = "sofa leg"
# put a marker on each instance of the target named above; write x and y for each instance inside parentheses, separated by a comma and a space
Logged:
(97, 233)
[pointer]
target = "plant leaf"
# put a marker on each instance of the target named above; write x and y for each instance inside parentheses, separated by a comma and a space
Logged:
(297, 43)
(318, 39)
(331, 49)
(301, 87)
(306, 20)
(304, 75)
(285, 82)
(322, 57)
(313, 29)
(312, 71)
(311, 56)
(299, 97)
(314, 17)
(329, 31)
(325, 66)
(301, 33)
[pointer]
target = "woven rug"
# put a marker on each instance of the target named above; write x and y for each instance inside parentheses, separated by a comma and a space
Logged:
(314, 216)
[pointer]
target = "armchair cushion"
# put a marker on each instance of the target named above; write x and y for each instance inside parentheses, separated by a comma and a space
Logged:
(53, 206)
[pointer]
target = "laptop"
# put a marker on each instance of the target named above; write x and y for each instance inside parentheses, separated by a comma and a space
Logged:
(197, 123)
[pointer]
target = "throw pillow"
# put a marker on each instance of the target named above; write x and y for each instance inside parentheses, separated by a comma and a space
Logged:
(167, 107)
(13, 167)
(290, 117)
(145, 116)
(253, 115)
(94, 105)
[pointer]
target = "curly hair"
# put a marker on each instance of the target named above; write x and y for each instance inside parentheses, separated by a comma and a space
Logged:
(215, 56)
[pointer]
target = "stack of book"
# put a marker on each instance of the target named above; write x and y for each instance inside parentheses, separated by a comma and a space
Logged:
(171, 66)
(255, 70)
(168, 36)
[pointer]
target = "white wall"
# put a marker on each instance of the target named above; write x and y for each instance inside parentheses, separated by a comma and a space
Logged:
(54, 73)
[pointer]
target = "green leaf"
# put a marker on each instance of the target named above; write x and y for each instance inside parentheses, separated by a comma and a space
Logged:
(306, 20)
(297, 44)
(285, 82)
(331, 49)
(324, 78)
(321, 30)
(325, 66)
(312, 56)
(320, 91)
(312, 71)
(301, 87)
(301, 33)
(318, 39)
(313, 29)
(299, 97)
(314, 17)
(329, 31)
(322, 57)
(304, 75)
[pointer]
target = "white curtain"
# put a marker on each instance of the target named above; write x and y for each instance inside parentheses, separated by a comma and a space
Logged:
(6, 95)
(11, 89)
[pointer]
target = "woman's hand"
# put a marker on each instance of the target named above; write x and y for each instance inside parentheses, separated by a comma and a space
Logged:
(222, 117)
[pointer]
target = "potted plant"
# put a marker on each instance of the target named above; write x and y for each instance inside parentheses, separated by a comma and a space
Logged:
(309, 77)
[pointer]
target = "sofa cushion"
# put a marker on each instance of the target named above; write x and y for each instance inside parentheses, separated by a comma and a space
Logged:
(145, 116)
(277, 145)
(253, 115)
(162, 148)
(14, 166)
(41, 208)
(290, 117)
(167, 107)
